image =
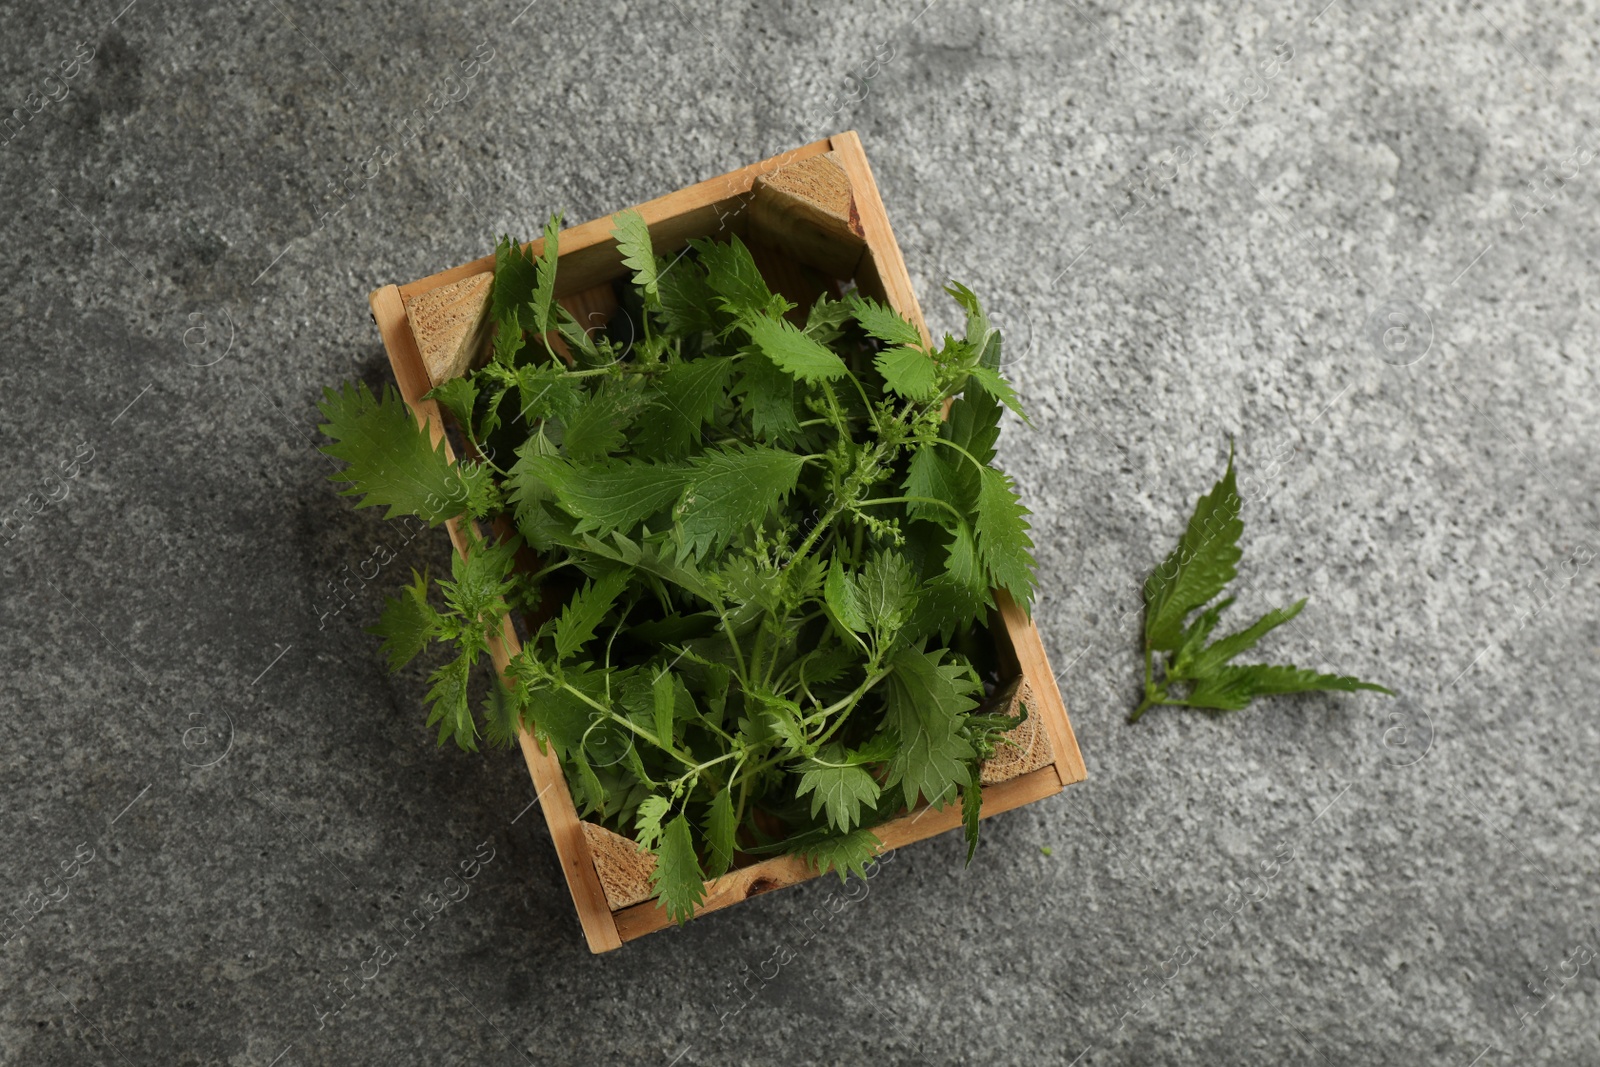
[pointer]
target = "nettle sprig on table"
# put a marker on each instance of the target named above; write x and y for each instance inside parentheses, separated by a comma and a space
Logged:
(751, 553)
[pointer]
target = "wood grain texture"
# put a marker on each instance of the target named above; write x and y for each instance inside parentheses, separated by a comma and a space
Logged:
(450, 325)
(572, 849)
(1026, 747)
(807, 211)
(625, 868)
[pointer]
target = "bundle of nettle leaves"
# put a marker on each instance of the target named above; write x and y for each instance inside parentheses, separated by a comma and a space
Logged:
(761, 553)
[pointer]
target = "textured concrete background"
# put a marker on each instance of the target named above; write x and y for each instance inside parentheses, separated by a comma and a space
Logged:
(1363, 243)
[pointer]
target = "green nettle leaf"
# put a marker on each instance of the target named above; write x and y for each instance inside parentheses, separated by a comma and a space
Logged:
(934, 474)
(1190, 672)
(408, 623)
(677, 878)
(1232, 688)
(730, 489)
(544, 288)
(825, 318)
(585, 611)
(615, 494)
(767, 396)
(458, 395)
(390, 462)
(687, 299)
(599, 426)
(838, 785)
(720, 829)
(971, 811)
(760, 560)
(925, 705)
(514, 278)
(844, 600)
(1220, 652)
(846, 854)
(732, 274)
(1003, 541)
(993, 383)
(887, 593)
(909, 372)
(884, 323)
(1206, 560)
(792, 351)
(547, 391)
(652, 809)
(664, 700)
(690, 393)
(633, 241)
(449, 708)
(982, 337)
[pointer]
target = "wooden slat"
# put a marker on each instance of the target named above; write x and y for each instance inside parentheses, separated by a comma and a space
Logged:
(883, 249)
(781, 871)
(388, 311)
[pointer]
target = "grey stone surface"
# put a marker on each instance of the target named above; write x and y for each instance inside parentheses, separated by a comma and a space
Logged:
(1321, 879)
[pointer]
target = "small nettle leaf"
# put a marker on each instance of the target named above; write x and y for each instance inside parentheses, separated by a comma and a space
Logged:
(599, 426)
(647, 821)
(664, 701)
(845, 854)
(632, 234)
(458, 395)
(885, 323)
(1231, 688)
(687, 299)
(981, 337)
(844, 600)
(837, 785)
(480, 582)
(1223, 650)
(992, 382)
(971, 812)
(679, 885)
(585, 611)
(1003, 541)
(732, 274)
(767, 396)
(793, 351)
(544, 287)
(1205, 561)
(689, 394)
(720, 831)
(825, 318)
(934, 474)
(448, 705)
(408, 623)
(514, 278)
(909, 372)
(887, 592)
(547, 391)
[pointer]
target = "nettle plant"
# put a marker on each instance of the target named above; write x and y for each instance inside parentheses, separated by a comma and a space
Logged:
(750, 552)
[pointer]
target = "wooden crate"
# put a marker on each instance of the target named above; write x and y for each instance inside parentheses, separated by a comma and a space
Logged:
(813, 219)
